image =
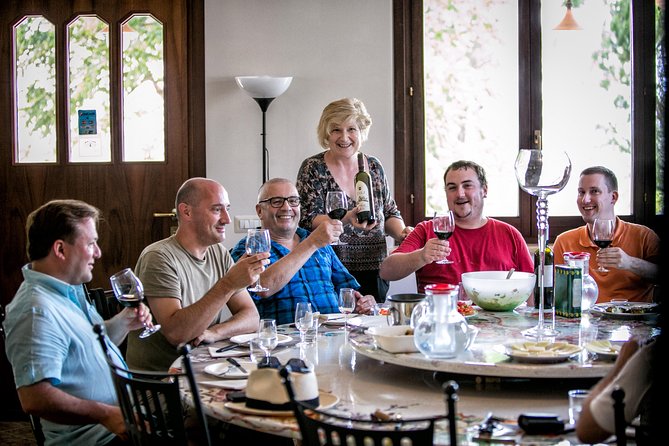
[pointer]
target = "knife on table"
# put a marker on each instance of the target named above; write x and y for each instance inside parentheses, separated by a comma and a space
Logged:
(234, 362)
(227, 347)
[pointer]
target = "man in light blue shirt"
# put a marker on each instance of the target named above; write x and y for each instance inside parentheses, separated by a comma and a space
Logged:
(60, 370)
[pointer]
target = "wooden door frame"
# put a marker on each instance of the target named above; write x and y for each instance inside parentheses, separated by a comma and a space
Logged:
(195, 146)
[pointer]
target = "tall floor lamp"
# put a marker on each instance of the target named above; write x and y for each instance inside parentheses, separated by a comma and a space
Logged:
(264, 89)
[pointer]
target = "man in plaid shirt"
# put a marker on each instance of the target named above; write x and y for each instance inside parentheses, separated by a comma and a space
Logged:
(303, 266)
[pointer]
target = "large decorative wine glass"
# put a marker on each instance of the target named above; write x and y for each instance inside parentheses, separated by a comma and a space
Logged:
(443, 227)
(346, 303)
(542, 173)
(267, 336)
(602, 235)
(129, 292)
(304, 318)
(336, 205)
(257, 241)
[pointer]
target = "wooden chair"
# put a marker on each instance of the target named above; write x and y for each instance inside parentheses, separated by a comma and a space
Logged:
(641, 433)
(151, 402)
(322, 429)
(105, 302)
(450, 389)
(36, 426)
(2, 320)
(618, 396)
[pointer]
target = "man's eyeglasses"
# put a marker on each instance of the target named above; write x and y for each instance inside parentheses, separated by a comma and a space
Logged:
(277, 202)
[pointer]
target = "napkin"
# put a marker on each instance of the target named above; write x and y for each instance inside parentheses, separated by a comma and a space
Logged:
(240, 351)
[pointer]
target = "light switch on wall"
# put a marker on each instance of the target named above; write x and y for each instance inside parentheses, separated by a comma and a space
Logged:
(245, 222)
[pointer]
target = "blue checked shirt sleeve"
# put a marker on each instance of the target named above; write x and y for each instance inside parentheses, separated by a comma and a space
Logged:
(238, 251)
(341, 278)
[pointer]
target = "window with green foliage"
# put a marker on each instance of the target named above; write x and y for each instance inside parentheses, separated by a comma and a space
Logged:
(35, 90)
(494, 73)
(88, 90)
(88, 69)
(143, 89)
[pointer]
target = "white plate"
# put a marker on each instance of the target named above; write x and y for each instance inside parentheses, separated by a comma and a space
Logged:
(604, 309)
(229, 371)
(605, 349)
(245, 338)
(355, 320)
(541, 352)
(326, 399)
(337, 319)
(232, 384)
(368, 321)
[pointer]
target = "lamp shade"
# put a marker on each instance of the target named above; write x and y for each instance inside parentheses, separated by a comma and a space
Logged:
(264, 86)
(568, 23)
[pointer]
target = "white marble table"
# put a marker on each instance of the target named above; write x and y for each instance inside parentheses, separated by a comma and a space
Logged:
(487, 355)
(365, 380)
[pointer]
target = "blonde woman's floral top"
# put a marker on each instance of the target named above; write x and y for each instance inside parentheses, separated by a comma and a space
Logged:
(363, 251)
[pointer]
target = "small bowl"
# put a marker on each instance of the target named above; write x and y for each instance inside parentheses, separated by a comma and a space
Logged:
(492, 291)
(394, 338)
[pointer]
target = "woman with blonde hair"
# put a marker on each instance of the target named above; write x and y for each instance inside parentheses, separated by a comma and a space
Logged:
(342, 129)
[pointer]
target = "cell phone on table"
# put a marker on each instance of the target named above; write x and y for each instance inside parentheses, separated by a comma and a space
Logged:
(541, 423)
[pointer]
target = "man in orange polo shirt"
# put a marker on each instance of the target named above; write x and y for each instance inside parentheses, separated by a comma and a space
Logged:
(633, 255)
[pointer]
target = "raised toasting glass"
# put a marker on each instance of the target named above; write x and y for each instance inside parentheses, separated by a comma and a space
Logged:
(542, 173)
(257, 241)
(336, 205)
(443, 227)
(129, 292)
(602, 235)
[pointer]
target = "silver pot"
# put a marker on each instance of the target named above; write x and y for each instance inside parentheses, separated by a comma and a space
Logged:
(401, 307)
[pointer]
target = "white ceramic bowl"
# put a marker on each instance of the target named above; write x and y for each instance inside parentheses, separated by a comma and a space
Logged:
(394, 338)
(492, 291)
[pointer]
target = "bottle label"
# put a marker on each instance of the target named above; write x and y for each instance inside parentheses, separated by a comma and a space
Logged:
(567, 291)
(362, 196)
(576, 293)
(548, 276)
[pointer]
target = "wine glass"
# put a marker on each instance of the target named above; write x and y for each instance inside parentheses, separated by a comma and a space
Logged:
(129, 292)
(346, 303)
(257, 241)
(542, 173)
(602, 235)
(443, 227)
(267, 336)
(304, 318)
(336, 205)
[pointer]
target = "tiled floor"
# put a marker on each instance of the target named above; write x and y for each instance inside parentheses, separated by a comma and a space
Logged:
(16, 433)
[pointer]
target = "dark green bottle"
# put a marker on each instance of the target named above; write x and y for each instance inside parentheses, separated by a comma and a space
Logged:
(548, 278)
(363, 193)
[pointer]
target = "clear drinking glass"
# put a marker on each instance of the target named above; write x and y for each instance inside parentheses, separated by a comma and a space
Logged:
(336, 205)
(257, 241)
(602, 235)
(576, 399)
(346, 303)
(443, 227)
(304, 318)
(267, 336)
(129, 292)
